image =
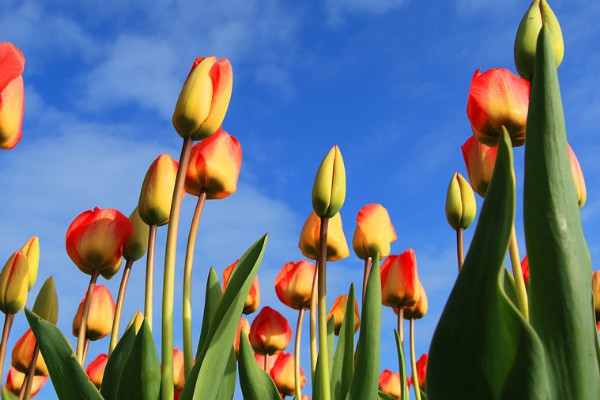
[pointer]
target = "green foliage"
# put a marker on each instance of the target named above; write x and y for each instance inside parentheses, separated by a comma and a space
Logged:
(343, 361)
(402, 365)
(116, 364)
(256, 384)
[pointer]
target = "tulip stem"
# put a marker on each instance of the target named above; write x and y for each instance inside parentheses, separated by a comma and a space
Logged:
(265, 363)
(460, 247)
(401, 325)
(148, 301)
(368, 264)
(169, 275)
(297, 354)
(515, 260)
(25, 392)
(313, 326)
(187, 285)
(8, 321)
(114, 334)
(413, 360)
(322, 309)
(84, 317)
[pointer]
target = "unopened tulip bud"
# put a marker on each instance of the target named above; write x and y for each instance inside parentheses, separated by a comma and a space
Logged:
(283, 374)
(419, 309)
(538, 14)
(136, 246)
(460, 203)
(293, 284)
(101, 314)
(178, 370)
(389, 383)
(337, 248)
(329, 188)
(156, 195)
(421, 371)
(23, 352)
(374, 232)
(15, 379)
(204, 98)
(580, 188)
(46, 302)
(399, 280)
(136, 321)
(338, 311)
(253, 299)
(243, 325)
(525, 269)
(12, 97)
(479, 160)
(14, 281)
(32, 250)
(270, 332)
(95, 370)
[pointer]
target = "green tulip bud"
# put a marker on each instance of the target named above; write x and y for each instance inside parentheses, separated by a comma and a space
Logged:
(14, 281)
(46, 302)
(135, 247)
(460, 203)
(329, 189)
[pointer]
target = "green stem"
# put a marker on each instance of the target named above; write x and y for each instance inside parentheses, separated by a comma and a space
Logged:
(8, 321)
(187, 285)
(84, 317)
(114, 334)
(368, 264)
(148, 301)
(413, 360)
(297, 354)
(322, 309)
(265, 363)
(313, 326)
(25, 392)
(401, 325)
(515, 260)
(459, 248)
(169, 275)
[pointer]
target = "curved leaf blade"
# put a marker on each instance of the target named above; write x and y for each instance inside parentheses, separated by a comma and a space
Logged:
(343, 360)
(256, 384)
(116, 364)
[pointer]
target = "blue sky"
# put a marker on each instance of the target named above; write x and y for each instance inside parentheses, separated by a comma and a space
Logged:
(386, 80)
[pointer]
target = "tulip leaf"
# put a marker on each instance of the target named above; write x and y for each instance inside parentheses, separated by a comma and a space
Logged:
(211, 364)
(8, 395)
(213, 297)
(227, 388)
(508, 283)
(116, 364)
(343, 361)
(482, 347)
(365, 380)
(317, 387)
(256, 384)
(141, 376)
(384, 396)
(69, 379)
(559, 260)
(401, 363)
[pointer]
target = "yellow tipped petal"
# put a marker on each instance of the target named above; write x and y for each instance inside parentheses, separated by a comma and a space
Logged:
(14, 280)
(32, 250)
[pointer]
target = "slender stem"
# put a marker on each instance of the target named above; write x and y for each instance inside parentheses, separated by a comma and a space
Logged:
(297, 354)
(85, 350)
(313, 326)
(25, 391)
(148, 302)
(265, 363)
(368, 264)
(322, 309)
(401, 325)
(169, 275)
(413, 360)
(8, 320)
(513, 249)
(114, 334)
(84, 317)
(187, 285)
(459, 248)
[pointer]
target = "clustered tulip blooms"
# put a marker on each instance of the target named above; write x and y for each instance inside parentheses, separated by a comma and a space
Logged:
(12, 97)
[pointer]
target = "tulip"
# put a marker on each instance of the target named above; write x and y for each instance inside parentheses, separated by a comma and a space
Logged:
(338, 311)
(154, 205)
(525, 269)
(260, 360)
(374, 232)
(538, 14)
(329, 188)
(270, 332)
(204, 98)
(337, 248)
(137, 320)
(23, 352)
(580, 188)
(14, 281)
(178, 371)
(136, 245)
(399, 280)
(460, 203)
(596, 293)
(421, 371)
(389, 382)
(15, 379)
(95, 241)
(32, 250)
(498, 98)
(12, 97)
(479, 160)
(253, 299)
(46, 302)
(214, 166)
(100, 317)
(293, 284)
(243, 325)
(419, 309)
(282, 373)
(95, 370)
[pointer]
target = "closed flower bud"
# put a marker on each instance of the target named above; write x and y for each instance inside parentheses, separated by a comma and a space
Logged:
(178, 370)
(270, 332)
(95, 370)
(204, 98)
(374, 232)
(421, 371)
(389, 382)
(12, 96)
(479, 160)
(137, 320)
(498, 98)
(283, 374)
(419, 309)
(32, 250)
(243, 325)
(46, 302)
(253, 299)
(100, 317)
(214, 166)
(580, 188)
(538, 14)
(154, 205)
(460, 203)
(14, 280)
(293, 284)
(338, 311)
(596, 292)
(329, 188)
(23, 352)
(525, 269)
(136, 246)
(337, 248)
(15, 379)
(400, 284)
(95, 240)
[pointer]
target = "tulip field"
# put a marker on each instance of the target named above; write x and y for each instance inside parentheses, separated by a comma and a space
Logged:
(518, 318)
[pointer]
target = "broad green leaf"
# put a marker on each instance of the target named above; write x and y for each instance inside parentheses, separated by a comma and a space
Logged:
(227, 388)
(402, 365)
(343, 361)
(69, 379)
(116, 364)
(330, 335)
(508, 283)
(482, 347)
(8, 395)
(141, 375)
(317, 387)
(384, 396)
(559, 261)
(256, 384)
(365, 380)
(213, 297)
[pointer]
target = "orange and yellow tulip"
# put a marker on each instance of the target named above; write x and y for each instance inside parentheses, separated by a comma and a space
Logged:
(419, 309)
(23, 352)
(270, 332)
(154, 205)
(253, 299)
(100, 317)
(15, 379)
(12, 95)
(178, 370)
(389, 383)
(14, 281)
(338, 311)
(337, 248)
(260, 360)
(95, 370)
(374, 232)
(282, 373)
(400, 285)
(32, 250)
(580, 188)
(479, 160)
(293, 284)
(243, 325)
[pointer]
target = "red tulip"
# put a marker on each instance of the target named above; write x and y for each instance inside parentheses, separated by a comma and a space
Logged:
(282, 373)
(253, 299)
(270, 332)
(12, 96)
(374, 232)
(525, 269)
(338, 311)
(419, 309)
(23, 352)
(399, 280)
(479, 160)
(498, 98)
(14, 381)
(293, 284)
(580, 188)
(100, 317)
(389, 382)
(95, 240)
(95, 370)
(421, 371)
(596, 293)
(243, 325)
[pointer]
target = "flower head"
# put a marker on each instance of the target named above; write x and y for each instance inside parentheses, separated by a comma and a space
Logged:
(32, 250)
(243, 325)
(15, 379)
(337, 248)
(12, 97)
(580, 188)
(95, 369)
(400, 285)
(154, 206)
(23, 352)
(421, 371)
(282, 373)
(479, 160)
(136, 245)
(100, 317)
(270, 332)
(374, 232)
(329, 188)
(389, 382)
(293, 284)
(460, 203)
(338, 311)
(14, 281)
